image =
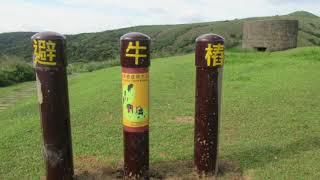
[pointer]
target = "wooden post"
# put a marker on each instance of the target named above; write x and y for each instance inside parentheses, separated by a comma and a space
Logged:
(49, 57)
(209, 66)
(135, 61)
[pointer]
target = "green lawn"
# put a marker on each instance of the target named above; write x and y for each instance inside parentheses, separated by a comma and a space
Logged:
(270, 125)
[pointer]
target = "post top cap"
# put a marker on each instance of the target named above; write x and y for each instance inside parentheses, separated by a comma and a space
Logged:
(210, 37)
(49, 35)
(135, 36)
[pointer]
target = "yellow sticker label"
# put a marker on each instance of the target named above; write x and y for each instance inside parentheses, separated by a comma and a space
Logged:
(215, 54)
(135, 99)
(44, 52)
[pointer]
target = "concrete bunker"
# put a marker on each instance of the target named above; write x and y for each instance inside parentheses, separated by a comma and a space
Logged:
(270, 35)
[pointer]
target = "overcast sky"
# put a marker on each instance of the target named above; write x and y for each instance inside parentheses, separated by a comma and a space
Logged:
(77, 16)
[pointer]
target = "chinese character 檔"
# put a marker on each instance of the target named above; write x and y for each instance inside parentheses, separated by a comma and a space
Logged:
(214, 54)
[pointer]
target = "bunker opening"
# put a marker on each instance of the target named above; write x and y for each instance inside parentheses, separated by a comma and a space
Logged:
(261, 49)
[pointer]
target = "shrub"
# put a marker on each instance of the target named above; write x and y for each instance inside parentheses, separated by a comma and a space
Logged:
(13, 70)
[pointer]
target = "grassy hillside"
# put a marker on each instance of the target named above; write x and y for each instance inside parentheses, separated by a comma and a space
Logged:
(270, 120)
(167, 39)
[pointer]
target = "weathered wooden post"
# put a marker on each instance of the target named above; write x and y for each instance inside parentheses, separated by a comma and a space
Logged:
(135, 61)
(209, 66)
(49, 57)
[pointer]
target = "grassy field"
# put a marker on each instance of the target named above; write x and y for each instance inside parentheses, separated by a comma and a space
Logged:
(270, 126)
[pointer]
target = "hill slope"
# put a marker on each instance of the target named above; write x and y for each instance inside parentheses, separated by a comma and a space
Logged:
(270, 119)
(167, 39)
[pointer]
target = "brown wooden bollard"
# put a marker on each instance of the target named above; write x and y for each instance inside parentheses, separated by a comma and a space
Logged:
(49, 57)
(209, 66)
(135, 62)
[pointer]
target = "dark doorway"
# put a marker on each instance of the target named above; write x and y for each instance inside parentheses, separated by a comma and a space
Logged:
(261, 49)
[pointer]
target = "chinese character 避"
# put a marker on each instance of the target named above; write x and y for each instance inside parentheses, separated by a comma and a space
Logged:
(44, 52)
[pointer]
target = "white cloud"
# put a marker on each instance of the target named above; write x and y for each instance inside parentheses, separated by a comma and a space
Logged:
(298, 2)
(76, 16)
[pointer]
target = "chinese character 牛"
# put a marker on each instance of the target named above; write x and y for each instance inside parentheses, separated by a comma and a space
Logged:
(137, 49)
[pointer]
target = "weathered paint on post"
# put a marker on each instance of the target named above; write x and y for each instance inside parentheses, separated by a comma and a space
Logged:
(209, 66)
(135, 61)
(49, 57)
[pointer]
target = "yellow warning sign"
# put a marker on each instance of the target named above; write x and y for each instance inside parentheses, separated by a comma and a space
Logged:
(135, 99)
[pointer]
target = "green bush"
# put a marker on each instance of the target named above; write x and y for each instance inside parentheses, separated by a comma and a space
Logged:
(13, 70)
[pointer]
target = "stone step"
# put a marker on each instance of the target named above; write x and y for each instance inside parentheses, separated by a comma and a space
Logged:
(5, 104)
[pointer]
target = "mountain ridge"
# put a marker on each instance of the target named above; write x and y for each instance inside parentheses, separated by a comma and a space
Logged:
(167, 40)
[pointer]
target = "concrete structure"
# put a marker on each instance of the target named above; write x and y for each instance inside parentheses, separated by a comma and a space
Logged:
(270, 35)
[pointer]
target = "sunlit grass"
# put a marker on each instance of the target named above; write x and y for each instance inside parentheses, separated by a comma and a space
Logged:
(270, 124)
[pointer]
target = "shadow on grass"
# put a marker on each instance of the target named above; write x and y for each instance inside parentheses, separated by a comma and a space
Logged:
(163, 170)
(261, 156)
(250, 158)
